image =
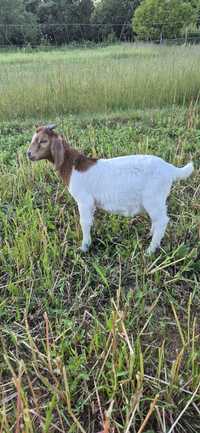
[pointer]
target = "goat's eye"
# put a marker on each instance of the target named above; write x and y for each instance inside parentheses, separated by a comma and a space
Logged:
(43, 141)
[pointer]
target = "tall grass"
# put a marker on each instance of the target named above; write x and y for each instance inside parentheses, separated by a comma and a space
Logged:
(107, 341)
(108, 79)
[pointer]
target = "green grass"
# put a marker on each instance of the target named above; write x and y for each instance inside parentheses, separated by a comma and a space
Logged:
(103, 80)
(112, 330)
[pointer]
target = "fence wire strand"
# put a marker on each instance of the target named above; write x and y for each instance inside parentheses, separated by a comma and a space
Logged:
(56, 34)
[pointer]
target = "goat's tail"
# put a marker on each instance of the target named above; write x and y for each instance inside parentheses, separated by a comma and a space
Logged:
(183, 172)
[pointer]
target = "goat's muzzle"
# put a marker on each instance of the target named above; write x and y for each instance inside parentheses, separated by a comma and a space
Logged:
(30, 156)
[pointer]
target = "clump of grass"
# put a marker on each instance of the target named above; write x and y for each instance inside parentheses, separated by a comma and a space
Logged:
(108, 341)
(97, 80)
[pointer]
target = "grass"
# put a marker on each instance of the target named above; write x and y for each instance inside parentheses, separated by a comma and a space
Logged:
(109, 340)
(103, 80)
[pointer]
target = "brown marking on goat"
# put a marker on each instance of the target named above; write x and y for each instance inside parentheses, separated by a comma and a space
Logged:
(74, 159)
(59, 152)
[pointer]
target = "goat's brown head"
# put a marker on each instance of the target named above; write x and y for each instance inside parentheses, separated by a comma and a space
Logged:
(47, 144)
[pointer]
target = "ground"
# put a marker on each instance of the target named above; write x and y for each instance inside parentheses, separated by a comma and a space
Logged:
(112, 330)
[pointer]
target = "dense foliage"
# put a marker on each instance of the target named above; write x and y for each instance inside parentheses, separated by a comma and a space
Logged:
(156, 19)
(36, 22)
(63, 21)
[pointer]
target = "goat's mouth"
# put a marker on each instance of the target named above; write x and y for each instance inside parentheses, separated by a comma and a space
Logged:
(31, 157)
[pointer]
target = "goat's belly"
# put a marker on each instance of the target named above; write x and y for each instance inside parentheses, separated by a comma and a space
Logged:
(120, 208)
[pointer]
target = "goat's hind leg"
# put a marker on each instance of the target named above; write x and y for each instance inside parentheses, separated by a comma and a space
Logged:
(159, 221)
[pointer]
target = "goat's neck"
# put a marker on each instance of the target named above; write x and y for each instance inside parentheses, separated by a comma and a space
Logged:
(74, 159)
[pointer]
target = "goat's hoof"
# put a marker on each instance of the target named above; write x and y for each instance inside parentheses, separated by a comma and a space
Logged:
(84, 248)
(150, 251)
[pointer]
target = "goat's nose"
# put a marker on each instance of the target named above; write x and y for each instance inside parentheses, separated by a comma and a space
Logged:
(29, 153)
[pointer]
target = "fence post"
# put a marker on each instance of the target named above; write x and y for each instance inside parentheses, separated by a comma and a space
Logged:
(186, 36)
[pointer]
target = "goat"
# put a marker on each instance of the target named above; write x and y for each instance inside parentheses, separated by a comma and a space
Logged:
(125, 185)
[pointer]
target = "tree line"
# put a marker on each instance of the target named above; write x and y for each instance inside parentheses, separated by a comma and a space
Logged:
(36, 22)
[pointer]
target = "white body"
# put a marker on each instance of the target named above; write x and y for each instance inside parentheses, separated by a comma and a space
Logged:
(126, 185)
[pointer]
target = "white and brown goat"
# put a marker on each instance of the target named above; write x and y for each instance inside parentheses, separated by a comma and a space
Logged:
(126, 185)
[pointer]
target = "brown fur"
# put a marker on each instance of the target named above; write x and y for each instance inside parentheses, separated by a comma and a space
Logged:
(58, 151)
(74, 159)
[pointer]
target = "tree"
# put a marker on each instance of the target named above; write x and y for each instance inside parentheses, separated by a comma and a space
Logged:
(157, 19)
(17, 25)
(114, 17)
(32, 6)
(65, 20)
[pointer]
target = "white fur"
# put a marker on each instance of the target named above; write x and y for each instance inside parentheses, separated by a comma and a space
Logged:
(126, 185)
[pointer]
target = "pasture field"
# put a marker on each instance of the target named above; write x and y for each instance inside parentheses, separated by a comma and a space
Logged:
(116, 78)
(107, 341)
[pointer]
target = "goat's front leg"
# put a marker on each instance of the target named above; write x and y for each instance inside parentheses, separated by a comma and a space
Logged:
(86, 218)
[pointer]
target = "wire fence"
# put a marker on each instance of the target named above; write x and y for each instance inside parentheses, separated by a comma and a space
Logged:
(61, 34)
(54, 34)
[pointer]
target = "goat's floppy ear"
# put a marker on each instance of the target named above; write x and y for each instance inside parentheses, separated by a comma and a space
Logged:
(57, 151)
